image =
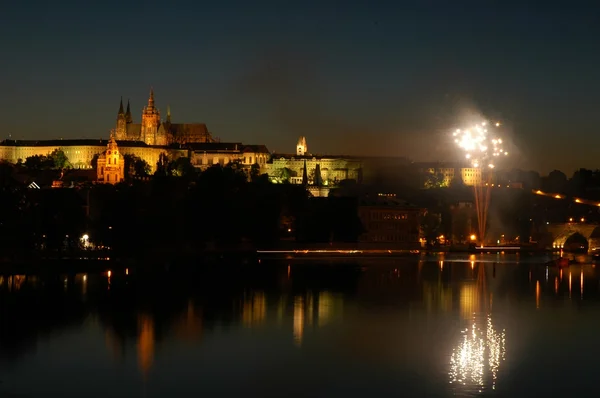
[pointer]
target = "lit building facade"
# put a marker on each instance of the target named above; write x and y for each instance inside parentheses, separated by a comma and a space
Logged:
(80, 152)
(390, 223)
(203, 155)
(154, 131)
(111, 164)
(445, 174)
(332, 169)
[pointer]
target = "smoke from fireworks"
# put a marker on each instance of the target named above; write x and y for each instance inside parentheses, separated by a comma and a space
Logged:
(480, 148)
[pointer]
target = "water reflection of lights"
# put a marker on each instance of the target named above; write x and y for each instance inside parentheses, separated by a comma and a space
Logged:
(145, 342)
(254, 309)
(478, 348)
(298, 319)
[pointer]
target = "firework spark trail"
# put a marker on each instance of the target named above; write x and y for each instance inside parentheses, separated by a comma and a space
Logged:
(481, 150)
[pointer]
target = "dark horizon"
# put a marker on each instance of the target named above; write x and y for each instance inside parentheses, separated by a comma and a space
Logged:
(383, 79)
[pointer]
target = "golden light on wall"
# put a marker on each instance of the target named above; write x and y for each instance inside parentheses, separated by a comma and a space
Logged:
(475, 361)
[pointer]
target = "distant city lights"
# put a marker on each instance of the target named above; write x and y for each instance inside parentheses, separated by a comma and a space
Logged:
(575, 200)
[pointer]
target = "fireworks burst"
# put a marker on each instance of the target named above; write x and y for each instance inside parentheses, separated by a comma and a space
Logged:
(480, 149)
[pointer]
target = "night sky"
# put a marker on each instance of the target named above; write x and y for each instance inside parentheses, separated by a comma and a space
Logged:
(365, 78)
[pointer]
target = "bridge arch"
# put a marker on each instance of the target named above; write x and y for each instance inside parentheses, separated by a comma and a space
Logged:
(562, 234)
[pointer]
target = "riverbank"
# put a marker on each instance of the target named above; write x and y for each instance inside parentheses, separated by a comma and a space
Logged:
(92, 261)
(96, 261)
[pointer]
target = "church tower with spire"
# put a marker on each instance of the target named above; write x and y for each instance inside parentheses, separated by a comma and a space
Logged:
(150, 122)
(156, 132)
(128, 117)
(121, 130)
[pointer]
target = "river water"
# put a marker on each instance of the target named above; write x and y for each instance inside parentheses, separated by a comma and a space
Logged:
(418, 327)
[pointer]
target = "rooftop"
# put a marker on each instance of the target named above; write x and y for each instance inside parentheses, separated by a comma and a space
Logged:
(311, 156)
(71, 142)
(226, 147)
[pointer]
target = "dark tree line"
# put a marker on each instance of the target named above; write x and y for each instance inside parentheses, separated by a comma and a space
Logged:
(178, 210)
(219, 208)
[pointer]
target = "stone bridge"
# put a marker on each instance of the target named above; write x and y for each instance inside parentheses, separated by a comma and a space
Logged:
(561, 232)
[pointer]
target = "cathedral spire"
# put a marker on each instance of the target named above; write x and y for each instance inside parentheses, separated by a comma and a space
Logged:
(121, 107)
(128, 113)
(168, 114)
(151, 98)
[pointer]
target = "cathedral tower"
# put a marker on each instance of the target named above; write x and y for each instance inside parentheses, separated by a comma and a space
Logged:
(121, 130)
(128, 117)
(150, 121)
(301, 148)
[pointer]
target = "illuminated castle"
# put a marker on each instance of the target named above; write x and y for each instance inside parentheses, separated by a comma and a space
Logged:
(328, 169)
(153, 131)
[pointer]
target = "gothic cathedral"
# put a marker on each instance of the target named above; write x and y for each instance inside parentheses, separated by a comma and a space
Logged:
(155, 132)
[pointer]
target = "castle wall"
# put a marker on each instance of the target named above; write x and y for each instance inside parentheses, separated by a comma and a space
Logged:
(80, 156)
(204, 159)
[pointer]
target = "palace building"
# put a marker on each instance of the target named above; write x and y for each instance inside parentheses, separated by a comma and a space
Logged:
(446, 174)
(154, 131)
(327, 170)
(80, 152)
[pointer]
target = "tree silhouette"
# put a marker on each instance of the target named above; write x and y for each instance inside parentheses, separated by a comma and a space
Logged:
(318, 180)
(435, 180)
(304, 175)
(60, 159)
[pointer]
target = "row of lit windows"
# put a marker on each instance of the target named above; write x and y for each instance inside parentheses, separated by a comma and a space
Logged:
(257, 159)
(453, 170)
(393, 238)
(389, 216)
(322, 161)
(388, 226)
